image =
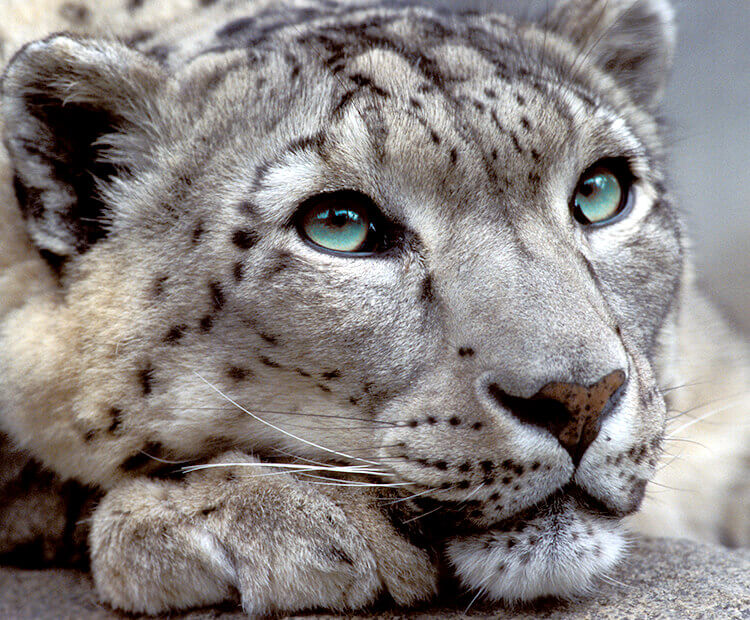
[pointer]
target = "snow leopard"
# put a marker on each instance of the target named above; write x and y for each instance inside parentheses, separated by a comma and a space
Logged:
(308, 304)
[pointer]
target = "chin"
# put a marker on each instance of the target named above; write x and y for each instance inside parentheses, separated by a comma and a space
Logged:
(558, 549)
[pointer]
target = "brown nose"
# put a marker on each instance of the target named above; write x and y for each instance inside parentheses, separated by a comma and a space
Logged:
(571, 412)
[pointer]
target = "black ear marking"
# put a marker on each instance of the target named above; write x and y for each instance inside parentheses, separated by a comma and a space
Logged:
(64, 99)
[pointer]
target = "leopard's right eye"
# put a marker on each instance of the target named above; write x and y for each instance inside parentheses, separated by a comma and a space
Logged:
(344, 222)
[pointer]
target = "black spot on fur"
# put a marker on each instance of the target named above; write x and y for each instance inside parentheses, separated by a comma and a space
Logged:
(206, 323)
(175, 334)
(466, 352)
(434, 136)
(74, 12)
(463, 484)
(146, 379)
(235, 27)
(535, 155)
(365, 82)
(115, 416)
(217, 295)
(454, 421)
(333, 374)
(159, 53)
(345, 98)
(207, 511)
(453, 155)
(236, 373)
(158, 287)
(427, 293)
(237, 272)
(197, 232)
(414, 103)
(268, 362)
(134, 4)
(323, 388)
(520, 99)
(301, 372)
(244, 239)
(525, 123)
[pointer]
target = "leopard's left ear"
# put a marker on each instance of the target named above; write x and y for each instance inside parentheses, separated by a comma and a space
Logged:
(76, 111)
(633, 40)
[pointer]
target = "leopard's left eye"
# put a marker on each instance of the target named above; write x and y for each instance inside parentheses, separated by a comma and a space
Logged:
(603, 193)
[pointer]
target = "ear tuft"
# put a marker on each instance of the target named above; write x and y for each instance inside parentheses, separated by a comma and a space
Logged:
(60, 96)
(633, 40)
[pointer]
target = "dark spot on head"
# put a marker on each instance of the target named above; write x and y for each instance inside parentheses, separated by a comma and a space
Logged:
(490, 93)
(158, 287)
(217, 295)
(237, 272)
(175, 334)
(434, 136)
(454, 421)
(134, 4)
(464, 467)
(234, 27)
(431, 419)
(463, 484)
(414, 103)
(353, 400)
(466, 352)
(207, 511)
(333, 374)
(197, 232)
(442, 465)
(244, 239)
(115, 416)
(511, 543)
(206, 323)
(495, 496)
(74, 12)
(268, 362)
(412, 423)
(525, 123)
(477, 426)
(267, 338)
(535, 465)
(520, 99)
(535, 155)
(507, 480)
(487, 466)
(324, 388)
(453, 155)
(427, 293)
(146, 379)
(236, 373)
(301, 372)
(159, 53)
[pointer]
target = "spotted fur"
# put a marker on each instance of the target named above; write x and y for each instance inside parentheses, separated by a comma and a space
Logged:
(489, 386)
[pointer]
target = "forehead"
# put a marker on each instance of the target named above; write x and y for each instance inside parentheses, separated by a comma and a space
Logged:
(484, 105)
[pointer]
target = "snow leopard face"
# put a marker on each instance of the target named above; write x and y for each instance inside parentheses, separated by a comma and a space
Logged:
(436, 247)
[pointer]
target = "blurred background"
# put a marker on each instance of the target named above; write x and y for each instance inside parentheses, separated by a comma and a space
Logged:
(707, 108)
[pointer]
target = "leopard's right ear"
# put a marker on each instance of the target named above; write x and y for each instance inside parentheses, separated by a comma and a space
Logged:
(76, 112)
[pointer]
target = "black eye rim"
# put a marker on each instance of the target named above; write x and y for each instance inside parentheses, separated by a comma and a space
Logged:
(375, 236)
(620, 167)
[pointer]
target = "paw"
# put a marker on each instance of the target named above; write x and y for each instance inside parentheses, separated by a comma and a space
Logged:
(270, 541)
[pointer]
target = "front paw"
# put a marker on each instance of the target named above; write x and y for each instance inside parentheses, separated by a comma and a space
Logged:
(277, 544)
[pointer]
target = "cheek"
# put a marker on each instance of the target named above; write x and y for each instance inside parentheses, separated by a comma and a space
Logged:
(643, 281)
(367, 321)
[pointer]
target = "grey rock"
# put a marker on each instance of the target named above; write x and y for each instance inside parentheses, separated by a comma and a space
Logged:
(662, 579)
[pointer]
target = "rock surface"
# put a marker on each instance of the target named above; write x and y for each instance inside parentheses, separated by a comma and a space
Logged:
(663, 578)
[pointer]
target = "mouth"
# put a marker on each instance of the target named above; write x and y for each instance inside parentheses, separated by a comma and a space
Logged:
(558, 548)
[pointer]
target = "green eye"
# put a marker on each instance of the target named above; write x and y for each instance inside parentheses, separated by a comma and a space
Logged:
(602, 193)
(339, 222)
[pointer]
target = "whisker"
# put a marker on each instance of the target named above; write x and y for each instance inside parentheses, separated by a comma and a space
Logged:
(281, 430)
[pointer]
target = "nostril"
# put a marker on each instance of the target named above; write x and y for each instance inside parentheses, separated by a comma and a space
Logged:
(570, 411)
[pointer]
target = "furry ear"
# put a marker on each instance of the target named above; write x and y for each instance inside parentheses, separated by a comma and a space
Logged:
(63, 99)
(633, 40)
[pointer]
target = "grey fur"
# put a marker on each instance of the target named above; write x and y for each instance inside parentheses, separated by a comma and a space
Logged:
(189, 318)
